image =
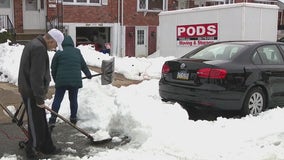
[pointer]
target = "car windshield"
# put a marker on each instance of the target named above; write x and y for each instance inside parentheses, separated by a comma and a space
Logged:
(221, 51)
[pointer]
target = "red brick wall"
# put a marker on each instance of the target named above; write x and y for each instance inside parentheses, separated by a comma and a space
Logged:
(152, 39)
(109, 13)
(18, 16)
(52, 12)
(132, 17)
(130, 41)
(91, 14)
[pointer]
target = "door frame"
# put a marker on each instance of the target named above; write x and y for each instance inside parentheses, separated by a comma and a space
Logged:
(141, 50)
(39, 18)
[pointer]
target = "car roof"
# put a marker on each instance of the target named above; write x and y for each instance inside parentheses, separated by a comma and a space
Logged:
(249, 42)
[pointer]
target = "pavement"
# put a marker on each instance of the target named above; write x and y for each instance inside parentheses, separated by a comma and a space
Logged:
(63, 135)
(72, 142)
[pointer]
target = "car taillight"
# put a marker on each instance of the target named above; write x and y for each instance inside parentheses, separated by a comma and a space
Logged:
(166, 68)
(214, 73)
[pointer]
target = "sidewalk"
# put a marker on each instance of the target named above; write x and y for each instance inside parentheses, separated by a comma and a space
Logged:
(70, 140)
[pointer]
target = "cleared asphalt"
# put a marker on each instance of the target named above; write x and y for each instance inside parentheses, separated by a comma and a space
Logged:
(64, 136)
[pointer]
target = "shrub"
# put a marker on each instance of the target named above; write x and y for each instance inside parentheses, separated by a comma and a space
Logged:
(4, 36)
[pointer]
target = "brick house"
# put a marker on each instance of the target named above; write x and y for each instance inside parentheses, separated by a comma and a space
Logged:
(129, 26)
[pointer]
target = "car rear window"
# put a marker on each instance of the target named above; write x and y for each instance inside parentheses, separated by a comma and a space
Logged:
(223, 51)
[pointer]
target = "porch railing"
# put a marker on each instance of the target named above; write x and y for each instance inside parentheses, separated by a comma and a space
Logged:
(54, 22)
(6, 23)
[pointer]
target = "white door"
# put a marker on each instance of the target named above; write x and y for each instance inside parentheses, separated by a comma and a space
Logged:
(34, 14)
(6, 8)
(141, 41)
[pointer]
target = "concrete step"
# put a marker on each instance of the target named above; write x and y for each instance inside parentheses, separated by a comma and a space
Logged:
(27, 35)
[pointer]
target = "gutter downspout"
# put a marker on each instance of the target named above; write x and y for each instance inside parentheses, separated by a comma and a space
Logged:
(121, 28)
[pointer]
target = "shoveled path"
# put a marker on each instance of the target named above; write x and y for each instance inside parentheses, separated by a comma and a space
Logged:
(69, 139)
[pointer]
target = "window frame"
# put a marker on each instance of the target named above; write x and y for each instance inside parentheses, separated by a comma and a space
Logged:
(87, 3)
(165, 6)
(6, 4)
(266, 52)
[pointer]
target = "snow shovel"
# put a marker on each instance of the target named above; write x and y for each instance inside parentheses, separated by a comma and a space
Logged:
(93, 142)
(16, 119)
(107, 71)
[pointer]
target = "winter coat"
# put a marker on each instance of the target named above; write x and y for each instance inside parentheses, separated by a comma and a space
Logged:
(34, 73)
(67, 65)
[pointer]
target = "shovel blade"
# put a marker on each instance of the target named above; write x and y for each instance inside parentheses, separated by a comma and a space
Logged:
(101, 142)
(107, 69)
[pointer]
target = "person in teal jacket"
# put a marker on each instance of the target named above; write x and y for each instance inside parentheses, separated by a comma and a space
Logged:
(66, 67)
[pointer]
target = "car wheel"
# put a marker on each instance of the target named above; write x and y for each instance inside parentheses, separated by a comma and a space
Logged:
(254, 102)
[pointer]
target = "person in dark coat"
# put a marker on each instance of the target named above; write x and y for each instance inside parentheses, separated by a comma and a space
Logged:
(33, 84)
(66, 70)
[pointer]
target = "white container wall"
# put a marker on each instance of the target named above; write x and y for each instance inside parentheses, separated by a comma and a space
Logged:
(181, 31)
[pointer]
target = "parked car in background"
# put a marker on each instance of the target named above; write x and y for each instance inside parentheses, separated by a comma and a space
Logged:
(105, 48)
(83, 41)
(245, 76)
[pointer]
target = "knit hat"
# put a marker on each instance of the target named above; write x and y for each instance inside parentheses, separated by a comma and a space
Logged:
(57, 36)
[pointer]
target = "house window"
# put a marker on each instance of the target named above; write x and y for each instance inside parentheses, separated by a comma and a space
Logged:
(94, 1)
(142, 4)
(31, 5)
(82, 2)
(229, 1)
(140, 37)
(151, 5)
(5, 4)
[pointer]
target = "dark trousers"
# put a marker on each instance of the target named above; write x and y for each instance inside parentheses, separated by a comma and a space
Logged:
(39, 134)
(59, 94)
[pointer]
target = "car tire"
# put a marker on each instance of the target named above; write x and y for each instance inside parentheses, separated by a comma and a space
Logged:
(254, 102)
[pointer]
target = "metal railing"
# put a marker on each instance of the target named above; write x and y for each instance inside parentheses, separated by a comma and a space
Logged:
(56, 21)
(6, 23)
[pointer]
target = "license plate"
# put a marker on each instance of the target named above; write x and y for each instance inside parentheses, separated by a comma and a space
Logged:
(182, 75)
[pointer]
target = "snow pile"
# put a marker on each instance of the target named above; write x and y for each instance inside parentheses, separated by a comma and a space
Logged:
(158, 130)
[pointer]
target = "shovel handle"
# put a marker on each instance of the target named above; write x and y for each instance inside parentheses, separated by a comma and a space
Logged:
(93, 75)
(71, 124)
(15, 120)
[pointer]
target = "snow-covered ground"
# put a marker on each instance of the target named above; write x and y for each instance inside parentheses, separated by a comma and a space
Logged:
(158, 131)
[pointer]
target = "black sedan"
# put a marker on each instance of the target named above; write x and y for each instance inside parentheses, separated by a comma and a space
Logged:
(246, 76)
